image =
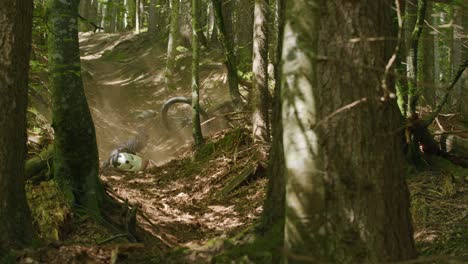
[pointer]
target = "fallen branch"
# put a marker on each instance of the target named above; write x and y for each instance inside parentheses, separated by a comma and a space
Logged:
(96, 27)
(39, 162)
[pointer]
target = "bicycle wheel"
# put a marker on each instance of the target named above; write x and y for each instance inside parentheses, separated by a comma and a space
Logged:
(176, 113)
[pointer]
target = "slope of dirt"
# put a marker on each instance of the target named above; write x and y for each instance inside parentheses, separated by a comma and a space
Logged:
(124, 75)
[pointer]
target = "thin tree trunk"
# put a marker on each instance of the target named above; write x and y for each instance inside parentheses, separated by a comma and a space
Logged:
(137, 16)
(16, 228)
(196, 127)
(76, 162)
(244, 34)
(273, 212)
(152, 17)
(464, 78)
(230, 59)
(426, 62)
(457, 56)
(259, 94)
(412, 61)
(171, 44)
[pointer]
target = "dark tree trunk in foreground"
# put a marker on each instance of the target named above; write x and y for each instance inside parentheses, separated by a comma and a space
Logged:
(15, 41)
(230, 57)
(76, 162)
(347, 200)
(260, 93)
(196, 129)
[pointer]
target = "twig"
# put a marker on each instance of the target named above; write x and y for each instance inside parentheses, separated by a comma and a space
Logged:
(96, 27)
(111, 238)
(391, 61)
(339, 110)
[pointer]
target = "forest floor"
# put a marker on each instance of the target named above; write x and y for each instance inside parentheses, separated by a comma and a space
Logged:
(191, 206)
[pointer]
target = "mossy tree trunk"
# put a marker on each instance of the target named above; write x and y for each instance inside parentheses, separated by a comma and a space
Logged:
(244, 34)
(15, 26)
(76, 162)
(228, 46)
(172, 44)
(414, 88)
(273, 212)
(196, 127)
(342, 206)
(260, 93)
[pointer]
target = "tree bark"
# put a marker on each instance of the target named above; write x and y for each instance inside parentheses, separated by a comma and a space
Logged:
(230, 58)
(244, 34)
(172, 44)
(152, 17)
(260, 93)
(426, 63)
(15, 26)
(196, 127)
(137, 16)
(76, 162)
(341, 205)
(273, 209)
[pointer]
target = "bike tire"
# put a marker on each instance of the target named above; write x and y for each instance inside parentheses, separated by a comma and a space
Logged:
(172, 102)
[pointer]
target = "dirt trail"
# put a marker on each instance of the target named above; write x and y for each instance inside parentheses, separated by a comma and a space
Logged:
(123, 74)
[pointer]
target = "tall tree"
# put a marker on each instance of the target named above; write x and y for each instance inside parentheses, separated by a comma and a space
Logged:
(228, 46)
(152, 16)
(260, 93)
(346, 196)
(172, 44)
(273, 213)
(464, 78)
(196, 127)
(426, 60)
(137, 16)
(15, 34)
(76, 162)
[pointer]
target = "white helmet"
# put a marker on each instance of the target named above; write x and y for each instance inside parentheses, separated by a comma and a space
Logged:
(127, 162)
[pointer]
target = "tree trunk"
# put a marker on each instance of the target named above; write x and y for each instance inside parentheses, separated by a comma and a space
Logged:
(137, 17)
(152, 17)
(76, 162)
(230, 58)
(273, 209)
(341, 206)
(457, 56)
(425, 76)
(172, 44)
(259, 94)
(464, 78)
(244, 34)
(196, 127)
(15, 26)
(412, 49)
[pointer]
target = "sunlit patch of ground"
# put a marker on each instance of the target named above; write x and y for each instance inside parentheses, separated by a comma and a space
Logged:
(182, 197)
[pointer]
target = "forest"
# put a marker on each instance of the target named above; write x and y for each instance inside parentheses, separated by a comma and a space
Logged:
(233, 131)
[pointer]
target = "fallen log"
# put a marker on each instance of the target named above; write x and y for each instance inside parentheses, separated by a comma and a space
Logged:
(453, 144)
(39, 162)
